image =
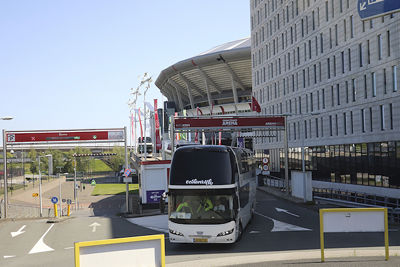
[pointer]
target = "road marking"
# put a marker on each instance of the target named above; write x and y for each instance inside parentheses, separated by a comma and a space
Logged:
(287, 212)
(69, 248)
(254, 232)
(40, 246)
(282, 226)
(94, 225)
(157, 223)
(11, 256)
(19, 232)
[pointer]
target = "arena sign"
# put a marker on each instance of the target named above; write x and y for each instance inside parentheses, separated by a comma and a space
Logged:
(231, 123)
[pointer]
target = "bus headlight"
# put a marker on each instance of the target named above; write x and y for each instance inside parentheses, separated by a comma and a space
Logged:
(175, 232)
(226, 232)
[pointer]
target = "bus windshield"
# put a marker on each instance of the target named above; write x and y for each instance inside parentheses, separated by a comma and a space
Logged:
(194, 208)
(198, 166)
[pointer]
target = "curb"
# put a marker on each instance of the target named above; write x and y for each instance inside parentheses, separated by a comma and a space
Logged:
(219, 260)
(58, 220)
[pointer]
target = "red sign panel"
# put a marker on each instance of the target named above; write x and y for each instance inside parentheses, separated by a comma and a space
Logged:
(229, 122)
(65, 136)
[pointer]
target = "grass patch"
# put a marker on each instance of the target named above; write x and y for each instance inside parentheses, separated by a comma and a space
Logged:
(114, 189)
(99, 166)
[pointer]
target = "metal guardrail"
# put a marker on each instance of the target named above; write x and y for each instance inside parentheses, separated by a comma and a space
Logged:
(393, 212)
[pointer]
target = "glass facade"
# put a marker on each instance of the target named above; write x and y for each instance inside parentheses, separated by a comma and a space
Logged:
(371, 164)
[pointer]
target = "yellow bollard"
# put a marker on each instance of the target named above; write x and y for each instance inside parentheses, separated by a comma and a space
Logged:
(55, 211)
(69, 209)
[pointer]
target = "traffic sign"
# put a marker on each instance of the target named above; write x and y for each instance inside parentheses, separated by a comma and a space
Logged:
(35, 194)
(69, 201)
(127, 172)
(368, 9)
(54, 200)
(265, 160)
(265, 167)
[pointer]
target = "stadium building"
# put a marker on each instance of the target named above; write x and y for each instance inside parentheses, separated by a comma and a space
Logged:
(336, 78)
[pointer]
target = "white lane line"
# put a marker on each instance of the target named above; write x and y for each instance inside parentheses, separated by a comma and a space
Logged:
(286, 211)
(11, 256)
(14, 234)
(69, 248)
(282, 226)
(40, 246)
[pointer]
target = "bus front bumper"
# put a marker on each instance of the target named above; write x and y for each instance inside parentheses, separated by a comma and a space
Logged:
(202, 233)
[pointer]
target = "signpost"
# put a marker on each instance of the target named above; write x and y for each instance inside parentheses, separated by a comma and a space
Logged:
(54, 200)
(368, 9)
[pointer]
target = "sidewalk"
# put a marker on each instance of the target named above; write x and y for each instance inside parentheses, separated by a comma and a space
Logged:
(370, 257)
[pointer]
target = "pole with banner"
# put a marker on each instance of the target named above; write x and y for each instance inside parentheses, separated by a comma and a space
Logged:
(5, 172)
(157, 126)
(127, 167)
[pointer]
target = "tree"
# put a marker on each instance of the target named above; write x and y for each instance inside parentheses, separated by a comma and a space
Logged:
(34, 163)
(118, 160)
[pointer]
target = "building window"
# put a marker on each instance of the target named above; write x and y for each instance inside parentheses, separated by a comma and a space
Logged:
(328, 64)
(379, 47)
(338, 94)
(365, 86)
(384, 82)
(388, 43)
(363, 120)
(330, 125)
(354, 92)
(316, 128)
(321, 39)
(349, 58)
(351, 122)
(311, 102)
(342, 55)
(323, 98)
(370, 121)
(351, 27)
(332, 96)
(382, 109)
(337, 124)
(305, 129)
(373, 84)
(347, 91)
(326, 11)
(336, 35)
(394, 78)
(344, 124)
(368, 53)
(360, 54)
(322, 127)
(391, 116)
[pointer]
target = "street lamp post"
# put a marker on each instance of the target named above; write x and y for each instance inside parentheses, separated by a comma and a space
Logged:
(5, 166)
(40, 185)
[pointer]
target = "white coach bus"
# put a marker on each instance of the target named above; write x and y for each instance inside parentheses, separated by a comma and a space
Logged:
(212, 194)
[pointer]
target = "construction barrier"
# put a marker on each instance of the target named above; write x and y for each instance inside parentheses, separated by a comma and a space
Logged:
(130, 251)
(353, 220)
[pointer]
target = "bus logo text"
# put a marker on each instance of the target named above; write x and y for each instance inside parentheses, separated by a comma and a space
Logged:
(231, 122)
(195, 181)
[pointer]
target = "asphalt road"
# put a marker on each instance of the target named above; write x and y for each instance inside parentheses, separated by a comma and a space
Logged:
(292, 227)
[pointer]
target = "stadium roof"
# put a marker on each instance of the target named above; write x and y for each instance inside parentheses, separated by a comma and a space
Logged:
(218, 76)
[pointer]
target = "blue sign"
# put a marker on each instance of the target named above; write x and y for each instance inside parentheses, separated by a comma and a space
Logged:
(372, 8)
(54, 200)
(240, 142)
(154, 196)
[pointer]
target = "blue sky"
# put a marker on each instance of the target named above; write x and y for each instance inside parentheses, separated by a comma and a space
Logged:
(70, 64)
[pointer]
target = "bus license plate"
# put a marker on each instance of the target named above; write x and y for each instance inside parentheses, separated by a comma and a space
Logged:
(200, 240)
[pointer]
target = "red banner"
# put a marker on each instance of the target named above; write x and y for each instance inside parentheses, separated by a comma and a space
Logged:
(64, 136)
(141, 128)
(229, 122)
(157, 124)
